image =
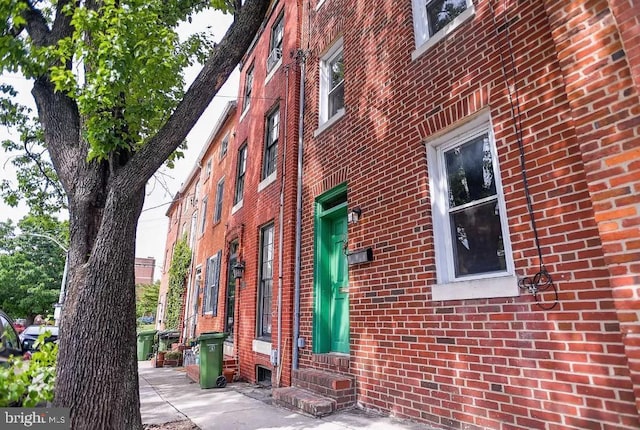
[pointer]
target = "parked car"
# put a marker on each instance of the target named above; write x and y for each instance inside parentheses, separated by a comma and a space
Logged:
(10, 343)
(31, 333)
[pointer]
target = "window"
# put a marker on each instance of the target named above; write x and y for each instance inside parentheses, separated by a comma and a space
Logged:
(271, 143)
(204, 214)
(275, 46)
(248, 87)
(217, 213)
(207, 170)
(266, 281)
(437, 18)
(212, 284)
(240, 172)
(192, 232)
(469, 222)
(224, 146)
(331, 83)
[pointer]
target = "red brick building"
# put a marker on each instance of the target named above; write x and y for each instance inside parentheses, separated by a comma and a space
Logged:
(144, 268)
(245, 202)
(468, 243)
(470, 236)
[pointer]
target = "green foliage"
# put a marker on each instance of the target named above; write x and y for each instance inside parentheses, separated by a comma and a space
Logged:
(37, 182)
(31, 266)
(177, 277)
(31, 382)
(123, 65)
(147, 299)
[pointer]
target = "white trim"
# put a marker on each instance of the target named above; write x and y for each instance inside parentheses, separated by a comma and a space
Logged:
(261, 347)
(237, 207)
(320, 3)
(492, 284)
(272, 72)
(323, 108)
(267, 181)
(421, 31)
(244, 112)
(503, 286)
(327, 124)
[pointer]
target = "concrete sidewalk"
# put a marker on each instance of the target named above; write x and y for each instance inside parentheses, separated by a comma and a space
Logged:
(167, 395)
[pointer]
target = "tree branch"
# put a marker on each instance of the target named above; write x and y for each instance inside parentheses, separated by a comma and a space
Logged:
(37, 26)
(213, 75)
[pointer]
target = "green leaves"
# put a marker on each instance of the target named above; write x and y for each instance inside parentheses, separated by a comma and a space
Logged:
(177, 277)
(123, 64)
(31, 265)
(30, 383)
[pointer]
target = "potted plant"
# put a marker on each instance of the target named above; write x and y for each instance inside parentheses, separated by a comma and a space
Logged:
(172, 358)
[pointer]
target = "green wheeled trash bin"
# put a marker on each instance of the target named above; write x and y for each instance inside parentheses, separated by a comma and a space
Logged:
(211, 358)
(145, 344)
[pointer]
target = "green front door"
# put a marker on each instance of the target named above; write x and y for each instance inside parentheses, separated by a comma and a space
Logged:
(331, 304)
(339, 284)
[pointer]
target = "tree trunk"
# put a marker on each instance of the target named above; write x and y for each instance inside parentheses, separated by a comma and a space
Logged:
(98, 377)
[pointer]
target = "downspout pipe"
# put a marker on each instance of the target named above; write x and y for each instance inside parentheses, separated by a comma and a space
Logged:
(281, 227)
(296, 298)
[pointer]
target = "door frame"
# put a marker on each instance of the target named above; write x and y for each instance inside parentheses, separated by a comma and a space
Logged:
(336, 200)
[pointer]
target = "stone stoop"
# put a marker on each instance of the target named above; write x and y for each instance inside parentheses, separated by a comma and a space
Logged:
(340, 388)
(317, 392)
(303, 400)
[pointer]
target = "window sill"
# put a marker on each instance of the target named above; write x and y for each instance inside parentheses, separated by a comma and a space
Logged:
(244, 112)
(328, 123)
(273, 71)
(261, 347)
(267, 181)
(237, 207)
(503, 286)
(442, 34)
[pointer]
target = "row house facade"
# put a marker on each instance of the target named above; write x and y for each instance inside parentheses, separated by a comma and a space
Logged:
(448, 227)
(245, 201)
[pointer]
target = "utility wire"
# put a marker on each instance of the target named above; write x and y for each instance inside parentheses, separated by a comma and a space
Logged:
(542, 280)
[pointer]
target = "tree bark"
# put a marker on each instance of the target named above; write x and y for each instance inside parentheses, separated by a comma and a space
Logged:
(97, 367)
(97, 371)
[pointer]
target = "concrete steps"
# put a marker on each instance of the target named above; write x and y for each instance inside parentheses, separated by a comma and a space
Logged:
(317, 392)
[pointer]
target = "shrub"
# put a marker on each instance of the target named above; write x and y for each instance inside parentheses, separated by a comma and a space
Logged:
(28, 383)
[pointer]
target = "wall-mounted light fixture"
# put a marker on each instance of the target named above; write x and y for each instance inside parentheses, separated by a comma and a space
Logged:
(354, 215)
(238, 270)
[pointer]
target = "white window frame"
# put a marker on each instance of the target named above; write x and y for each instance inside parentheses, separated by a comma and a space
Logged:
(483, 285)
(421, 27)
(249, 77)
(275, 46)
(324, 120)
(208, 168)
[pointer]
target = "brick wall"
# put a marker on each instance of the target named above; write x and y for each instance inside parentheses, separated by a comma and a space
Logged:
(599, 61)
(484, 363)
(260, 207)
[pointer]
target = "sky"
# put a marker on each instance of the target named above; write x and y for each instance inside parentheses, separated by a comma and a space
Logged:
(152, 226)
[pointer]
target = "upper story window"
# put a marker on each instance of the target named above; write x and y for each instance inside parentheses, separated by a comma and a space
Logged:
(241, 170)
(434, 19)
(224, 146)
(275, 45)
(473, 252)
(331, 83)
(248, 87)
(217, 213)
(207, 170)
(205, 200)
(272, 131)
